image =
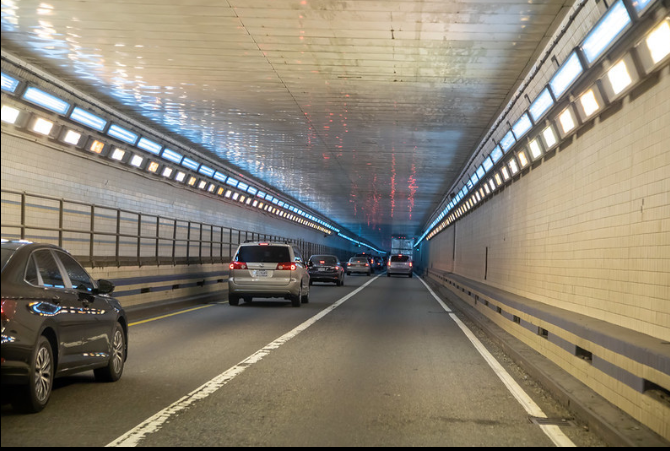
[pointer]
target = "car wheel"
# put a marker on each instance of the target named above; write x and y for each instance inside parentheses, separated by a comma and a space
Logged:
(388, 275)
(305, 299)
(370, 274)
(114, 369)
(296, 301)
(348, 273)
(233, 300)
(311, 283)
(34, 397)
(410, 275)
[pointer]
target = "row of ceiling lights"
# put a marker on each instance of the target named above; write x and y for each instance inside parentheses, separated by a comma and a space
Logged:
(547, 123)
(145, 154)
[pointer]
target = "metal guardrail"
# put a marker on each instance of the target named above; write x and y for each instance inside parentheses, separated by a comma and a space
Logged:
(102, 236)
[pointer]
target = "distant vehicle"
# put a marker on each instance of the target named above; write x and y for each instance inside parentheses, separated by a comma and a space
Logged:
(325, 268)
(371, 259)
(379, 263)
(268, 270)
(400, 265)
(56, 321)
(359, 265)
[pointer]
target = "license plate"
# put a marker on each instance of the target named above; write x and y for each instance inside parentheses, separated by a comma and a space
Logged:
(323, 269)
(260, 273)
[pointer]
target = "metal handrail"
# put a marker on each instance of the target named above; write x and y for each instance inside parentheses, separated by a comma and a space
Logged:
(147, 245)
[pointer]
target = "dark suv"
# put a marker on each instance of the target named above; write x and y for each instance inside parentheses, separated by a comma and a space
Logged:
(325, 268)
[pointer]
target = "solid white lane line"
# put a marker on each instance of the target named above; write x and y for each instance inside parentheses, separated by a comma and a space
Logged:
(444, 306)
(133, 437)
(553, 432)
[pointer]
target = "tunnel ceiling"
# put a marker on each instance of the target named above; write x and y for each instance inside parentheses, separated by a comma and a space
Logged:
(365, 111)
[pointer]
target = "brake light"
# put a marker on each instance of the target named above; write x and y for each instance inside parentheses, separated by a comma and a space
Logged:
(238, 265)
(410, 264)
(8, 311)
(286, 266)
(367, 264)
(388, 263)
(263, 244)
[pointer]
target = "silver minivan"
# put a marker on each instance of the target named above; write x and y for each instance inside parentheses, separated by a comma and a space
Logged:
(268, 270)
(399, 264)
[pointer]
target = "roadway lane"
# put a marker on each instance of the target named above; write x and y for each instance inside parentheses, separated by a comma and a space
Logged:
(387, 366)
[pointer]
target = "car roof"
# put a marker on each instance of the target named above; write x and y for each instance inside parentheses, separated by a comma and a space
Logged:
(19, 244)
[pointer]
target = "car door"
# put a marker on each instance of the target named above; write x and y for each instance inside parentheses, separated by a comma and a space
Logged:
(58, 305)
(98, 316)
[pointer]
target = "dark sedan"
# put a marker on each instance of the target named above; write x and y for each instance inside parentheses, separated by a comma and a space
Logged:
(56, 321)
(325, 268)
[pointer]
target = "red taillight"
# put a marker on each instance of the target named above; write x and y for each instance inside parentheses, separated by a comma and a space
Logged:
(388, 263)
(8, 311)
(410, 264)
(367, 264)
(238, 265)
(286, 266)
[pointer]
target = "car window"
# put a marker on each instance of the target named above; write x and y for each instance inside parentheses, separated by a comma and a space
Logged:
(6, 254)
(263, 254)
(78, 275)
(43, 270)
(359, 260)
(400, 258)
(323, 260)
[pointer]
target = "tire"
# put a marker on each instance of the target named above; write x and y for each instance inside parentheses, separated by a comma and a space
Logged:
(34, 397)
(410, 275)
(388, 275)
(114, 369)
(370, 274)
(305, 299)
(296, 301)
(348, 273)
(234, 300)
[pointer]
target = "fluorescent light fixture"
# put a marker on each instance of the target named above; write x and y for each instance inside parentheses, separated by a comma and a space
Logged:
(261, 194)
(228, 193)
(180, 177)
(641, 5)
(619, 78)
(567, 121)
(473, 180)
(71, 137)
(589, 103)
(9, 114)
(220, 177)
(275, 201)
(118, 154)
(242, 198)
(505, 173)
(487, 189)
(122, 134)
(252, 190)
(96, 146)
(220, 191)
(566, 75)
(172, 156)
(281, 204)
(242, 186)
(249, 199)
(523, 158)
(149, 146)
(167, 172)
(549, 137)
(153, 167)
(42, 126)
(232, 182)
(236, 196)
(535, 147)
(492, 184)
(269, 198)
(41, 98)
(136, 161)
(204, 170)
(88, 119)
(202, 184)
(508, 141)
(191, 181)
(541, 105)
(497, 154)
(522, 126)
(211, 188)
(9, 84)
(480, 172)
(606, 31)
(658, 42)
(513, 166)
(191, 164)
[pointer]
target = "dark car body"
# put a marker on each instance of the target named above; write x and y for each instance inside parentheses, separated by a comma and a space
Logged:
(56, 321)
(326, 268)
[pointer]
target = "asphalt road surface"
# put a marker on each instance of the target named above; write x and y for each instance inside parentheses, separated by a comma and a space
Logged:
(377, 362)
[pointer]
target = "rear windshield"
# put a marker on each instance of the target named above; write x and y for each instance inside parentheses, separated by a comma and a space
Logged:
(359, 260)
(264, 254)
(400, 258)
(6, 253)
(323, 260)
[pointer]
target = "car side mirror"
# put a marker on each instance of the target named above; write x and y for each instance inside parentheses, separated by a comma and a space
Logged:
(105, 286)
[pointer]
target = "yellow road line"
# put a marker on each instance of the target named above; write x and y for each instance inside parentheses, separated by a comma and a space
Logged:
(167, 316)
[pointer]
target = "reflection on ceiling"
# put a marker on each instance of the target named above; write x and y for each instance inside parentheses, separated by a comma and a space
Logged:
(365, 111)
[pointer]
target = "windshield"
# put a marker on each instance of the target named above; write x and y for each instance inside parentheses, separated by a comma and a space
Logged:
(323, 260)
(6, 254)
(400, 258)
(264, 254)
(359, 260)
